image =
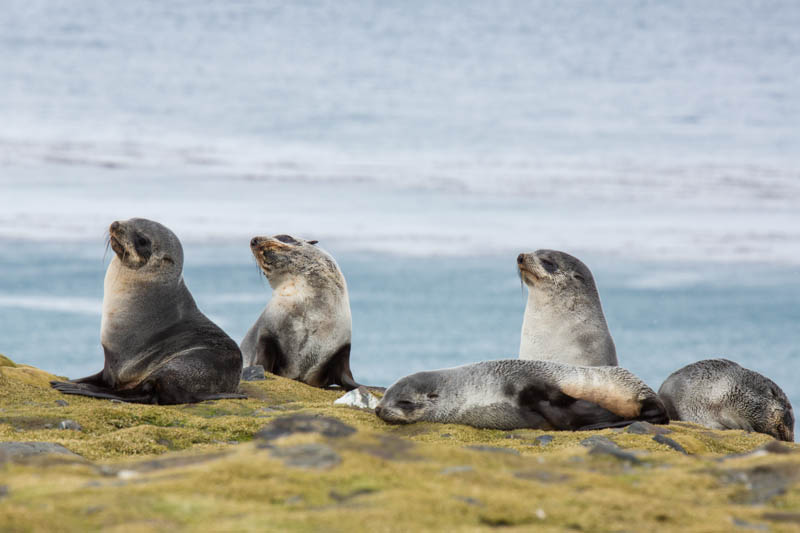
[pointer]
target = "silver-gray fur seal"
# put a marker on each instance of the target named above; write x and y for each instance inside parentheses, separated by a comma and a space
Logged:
(304, 331)
(513, 394)
(564, 319)
(159, 347)
(720, 394)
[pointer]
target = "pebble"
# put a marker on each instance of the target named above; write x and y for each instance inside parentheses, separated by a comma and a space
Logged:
(360, 398)
(661, 439)
(543, 440)
(69, 424)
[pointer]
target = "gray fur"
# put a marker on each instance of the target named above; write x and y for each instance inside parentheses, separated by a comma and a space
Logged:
(564, 319)
(720, 394)
(304, 331)
(513, 393)
(159, 347)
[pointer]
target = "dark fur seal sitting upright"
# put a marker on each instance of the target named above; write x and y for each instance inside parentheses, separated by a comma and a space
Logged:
(304, 331)
(720, 394)
(564, 320)
(513, 394)
(159, 347)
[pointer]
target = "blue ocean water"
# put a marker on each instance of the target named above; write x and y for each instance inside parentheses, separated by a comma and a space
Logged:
(425, 144)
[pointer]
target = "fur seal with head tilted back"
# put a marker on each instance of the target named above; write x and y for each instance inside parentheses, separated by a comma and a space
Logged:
(159, 347)
(304, 331)
(514, 394)
(564, 319)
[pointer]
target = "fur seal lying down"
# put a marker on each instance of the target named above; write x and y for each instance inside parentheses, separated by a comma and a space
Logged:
(564, 319)
(513, 394)
(720, 394)
(304, 331)
(159, 347)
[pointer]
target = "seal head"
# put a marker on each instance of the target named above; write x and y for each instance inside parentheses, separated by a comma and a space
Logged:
(304, 331)
(158, 346)
(564, 319)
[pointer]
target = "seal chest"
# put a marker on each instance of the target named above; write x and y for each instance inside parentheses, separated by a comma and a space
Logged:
(564, 319)
(304, 331)
(720, 394)
(158, 346)
(514, 394)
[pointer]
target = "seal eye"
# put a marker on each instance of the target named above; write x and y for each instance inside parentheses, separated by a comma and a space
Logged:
(141, 241)
(578, 277)
(433, 395)
(548, 265)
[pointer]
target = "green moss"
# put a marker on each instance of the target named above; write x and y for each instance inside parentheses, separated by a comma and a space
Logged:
(192, 467)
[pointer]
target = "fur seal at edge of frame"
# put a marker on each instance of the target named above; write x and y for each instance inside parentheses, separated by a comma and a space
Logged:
(159, 347)
(515, 394)
(564, 319)
(720, 394)
(304, 331)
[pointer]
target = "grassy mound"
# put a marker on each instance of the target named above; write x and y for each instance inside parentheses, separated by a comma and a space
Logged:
(206, 467)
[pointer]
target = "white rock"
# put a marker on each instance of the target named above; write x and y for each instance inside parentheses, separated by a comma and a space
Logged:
(360, 398)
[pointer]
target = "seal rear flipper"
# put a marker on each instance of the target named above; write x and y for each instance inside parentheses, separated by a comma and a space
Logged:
(95, 391)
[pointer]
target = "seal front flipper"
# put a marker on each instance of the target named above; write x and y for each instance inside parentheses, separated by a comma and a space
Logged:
(337, 371)
(94, 391)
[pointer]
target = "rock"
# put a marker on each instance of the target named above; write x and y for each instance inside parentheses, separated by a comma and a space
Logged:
(62, 403)
(288, 425)
(460, 469)
(3, 491)
(342, 497)
(747, 525)
(640, 427)
(360, 398)
(596, 440)
(776, 447)
(10, 451)
(789, 518)
(493, 449)
(543, 476)
(253, 373)
(543, 440)
(762, 483)
(312, 455)
(661, 439)
(614, 451)
(69, 424)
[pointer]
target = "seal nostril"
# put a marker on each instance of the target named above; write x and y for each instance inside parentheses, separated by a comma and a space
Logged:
(520, 258)
(253, 241)
(378, 410)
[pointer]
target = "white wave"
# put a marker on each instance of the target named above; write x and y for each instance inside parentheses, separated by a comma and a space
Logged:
(82, 306)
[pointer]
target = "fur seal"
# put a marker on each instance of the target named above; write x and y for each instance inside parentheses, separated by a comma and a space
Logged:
(564, 319)
(304, 331)
(159, 347)
(720, 394)
(514, 394)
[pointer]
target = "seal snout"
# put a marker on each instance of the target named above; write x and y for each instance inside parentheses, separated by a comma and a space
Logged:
(520, 259)
(114, 227)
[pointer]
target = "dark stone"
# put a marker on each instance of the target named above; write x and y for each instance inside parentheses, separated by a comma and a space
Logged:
(777, 448)
(614, 451)
(341, 497)
(168, 462)
(10, 451)
(3, 491)
(791, 518)
(69, 424)
(543, 440)
(661, 439)
(543, 476)
(446, 435)
(62, 403)
(748, 525)
(253, 373)
(640, 427)
(599, 440)
(493, 449)
(311, 455)
(289, 425)
(762, 483)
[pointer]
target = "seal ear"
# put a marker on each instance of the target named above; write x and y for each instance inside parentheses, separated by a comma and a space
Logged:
(312, 242)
